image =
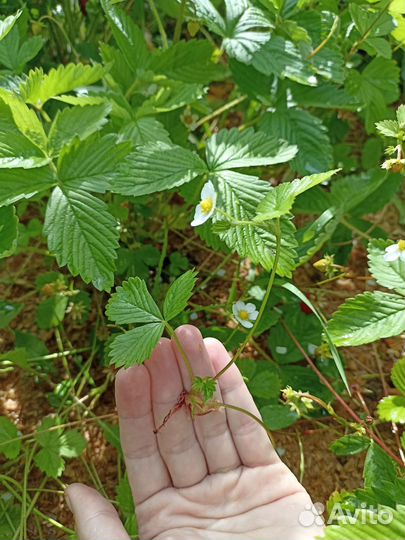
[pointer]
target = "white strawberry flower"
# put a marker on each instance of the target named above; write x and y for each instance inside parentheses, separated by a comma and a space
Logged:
(206, 207)
(245, 313)
(395, 252)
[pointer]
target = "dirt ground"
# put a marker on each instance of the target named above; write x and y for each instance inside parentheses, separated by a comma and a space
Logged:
(304, 446)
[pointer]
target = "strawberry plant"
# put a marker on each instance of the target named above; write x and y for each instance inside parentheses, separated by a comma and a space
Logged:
(237, 165)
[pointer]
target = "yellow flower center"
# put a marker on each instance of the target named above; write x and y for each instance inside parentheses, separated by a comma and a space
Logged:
(401, 245)
(206, 205)
(244, 315)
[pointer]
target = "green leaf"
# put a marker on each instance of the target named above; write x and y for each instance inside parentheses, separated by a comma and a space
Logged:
(188, 61)
(91, 165)
(129, 37)
(157, 167)
(368, 526)
(231, 149)
(304, 130)
(349, 191)
(324, 96)
(171, 95)
(389, 128)
(265, 385)
(8, 312)
(38, 87)
(367, 318)
(238, 196)
(401, 116)
(16, 184)
(330, 64)
(350, 445)
(72, 444)
(281, 58)
(51, 312)
(392, 409)
(179, 294)
(136, 345)
(10, 443)
(8, 231)
(388, 488)
(387, 274)
(398, 375)
(205, 386)
(83, 235)
(17, 49)
(280, 199)
(25, 120)
(145, 130)
(7, 24)
(132, 303)
(50, 462)
(76, 122)
(278, 416)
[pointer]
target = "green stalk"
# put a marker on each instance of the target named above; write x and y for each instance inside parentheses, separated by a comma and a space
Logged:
(179, 22)
(262, 307)
(159, 23)
(183, 353)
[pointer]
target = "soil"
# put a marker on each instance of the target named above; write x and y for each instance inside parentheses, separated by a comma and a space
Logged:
(24, 399)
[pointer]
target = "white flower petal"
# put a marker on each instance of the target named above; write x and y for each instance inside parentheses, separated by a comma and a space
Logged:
(246, 324)
(392, 248)
(253, 315)
(208, 191)
(238, 306)
(199, 216)
(390, 257)
(250, 307)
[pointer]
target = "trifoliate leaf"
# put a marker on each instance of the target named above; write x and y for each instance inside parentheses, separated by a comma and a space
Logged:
(281, 58)
(392, 409)
(179, 294)
(388, 274)
(366, 318)
(83, 235)
(76, 122)
(157, 167)
(350, 445)
(231, 149)
(398, 375)
(39, 87)
(10, 443)
(128, 35)
(280, 200)
(16, 183)
(136, 345)
(301, 128)
(91, 165)
(206, 386)
(132, 303)
(8, 231)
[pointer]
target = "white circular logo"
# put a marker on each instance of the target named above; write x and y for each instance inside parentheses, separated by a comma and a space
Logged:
(312, 515)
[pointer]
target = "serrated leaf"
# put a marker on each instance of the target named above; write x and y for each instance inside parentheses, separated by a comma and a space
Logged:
(179, 294)
(7, 23)
(239, 195)
(39, 87)
(388, 274)
(304, 130)
(136, 345)
(231, 149)
(265, 385)
(368, 526)
(10, 443)
(330, 64)
(280, 199)
(128, 35)
(83, 235)
(324, 96)
(16, 183)
(8, 231)
(281, 58)
(145, 130)
(92, 164)
(392, 409)
(367, 318)
(76, 122)
(72, 444)
(350, 445)
(132, 303)
(157, 167)
(49, 462)
(188, 61)
(278, 416)
(16, 49)
(398, 375)
(389, 128)
(171, 95)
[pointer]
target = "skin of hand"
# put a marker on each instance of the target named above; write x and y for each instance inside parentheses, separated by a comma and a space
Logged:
(214, 477)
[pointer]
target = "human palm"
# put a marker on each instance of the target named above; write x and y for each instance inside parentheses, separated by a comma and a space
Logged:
(214, 477)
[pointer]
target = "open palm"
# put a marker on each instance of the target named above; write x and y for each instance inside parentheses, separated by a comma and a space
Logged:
(214, 477)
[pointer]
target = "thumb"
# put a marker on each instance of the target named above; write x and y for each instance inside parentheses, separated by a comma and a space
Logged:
(95, 518)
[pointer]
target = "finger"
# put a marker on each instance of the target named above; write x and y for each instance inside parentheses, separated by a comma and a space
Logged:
(147, 472)
(251, 440)
(177, 441)
(95, 517)
(212, 429)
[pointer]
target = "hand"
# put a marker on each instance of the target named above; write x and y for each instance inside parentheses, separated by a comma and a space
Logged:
(216, 477)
